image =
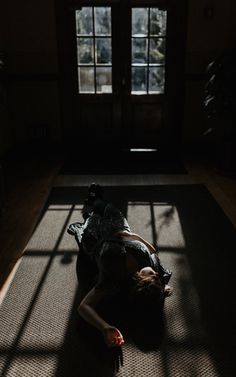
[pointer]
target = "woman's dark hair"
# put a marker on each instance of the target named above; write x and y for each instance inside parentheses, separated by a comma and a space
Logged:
(147, 290)
(146, 314)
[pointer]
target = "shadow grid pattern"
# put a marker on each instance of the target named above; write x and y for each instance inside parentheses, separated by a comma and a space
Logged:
(39, 331)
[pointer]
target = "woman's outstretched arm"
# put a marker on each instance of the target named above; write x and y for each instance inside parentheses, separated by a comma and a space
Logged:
(86, 309)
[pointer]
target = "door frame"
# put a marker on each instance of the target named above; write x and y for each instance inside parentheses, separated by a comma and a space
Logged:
(173, 114)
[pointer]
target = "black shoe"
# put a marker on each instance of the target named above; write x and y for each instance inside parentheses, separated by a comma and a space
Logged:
(94, 192)
(92, 189)
(86, 215)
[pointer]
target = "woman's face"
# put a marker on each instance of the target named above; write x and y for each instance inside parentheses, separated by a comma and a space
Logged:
(148, 271)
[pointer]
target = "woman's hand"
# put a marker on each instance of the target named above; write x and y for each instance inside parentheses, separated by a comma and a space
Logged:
(168, 290)
(112, 336)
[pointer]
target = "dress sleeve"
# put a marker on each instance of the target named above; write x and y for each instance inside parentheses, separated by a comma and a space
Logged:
(164, 273)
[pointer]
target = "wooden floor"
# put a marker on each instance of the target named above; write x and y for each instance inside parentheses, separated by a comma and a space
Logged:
(27, 185)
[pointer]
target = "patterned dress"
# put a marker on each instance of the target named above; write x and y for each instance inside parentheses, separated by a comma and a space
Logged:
(98, 241)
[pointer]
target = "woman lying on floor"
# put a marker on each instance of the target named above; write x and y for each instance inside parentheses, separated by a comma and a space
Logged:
(126, 263)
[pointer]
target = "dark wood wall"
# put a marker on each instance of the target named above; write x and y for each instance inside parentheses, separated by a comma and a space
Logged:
(29, 48)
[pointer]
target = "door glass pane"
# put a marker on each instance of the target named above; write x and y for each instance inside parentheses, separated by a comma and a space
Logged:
(157, 50)
(139, 80)
(84, 21)
(157, 21)
(86, 79)
(139, 50)
(103, 77)
(148, 50)
(103, 21)
(139, 21)
(94, 50)
(103, 50)
(85, 50)
(156, 80)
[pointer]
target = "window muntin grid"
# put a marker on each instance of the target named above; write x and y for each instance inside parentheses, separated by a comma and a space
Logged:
(94, 51)
(148, 41)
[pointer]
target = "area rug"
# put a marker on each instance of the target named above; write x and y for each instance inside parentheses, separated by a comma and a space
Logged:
(41, 334)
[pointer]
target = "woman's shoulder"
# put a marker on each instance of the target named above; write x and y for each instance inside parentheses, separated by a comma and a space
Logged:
(136, 244)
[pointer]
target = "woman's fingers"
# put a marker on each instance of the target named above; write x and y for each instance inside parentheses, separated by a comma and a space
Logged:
(119, 338)
(113, 337)
(118, 341)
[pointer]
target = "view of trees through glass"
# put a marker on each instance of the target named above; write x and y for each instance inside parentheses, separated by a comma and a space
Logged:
(148, 50)
(94, 54)
(94, 50)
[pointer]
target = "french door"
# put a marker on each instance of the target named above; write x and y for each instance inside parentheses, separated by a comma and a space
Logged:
(123, 65)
